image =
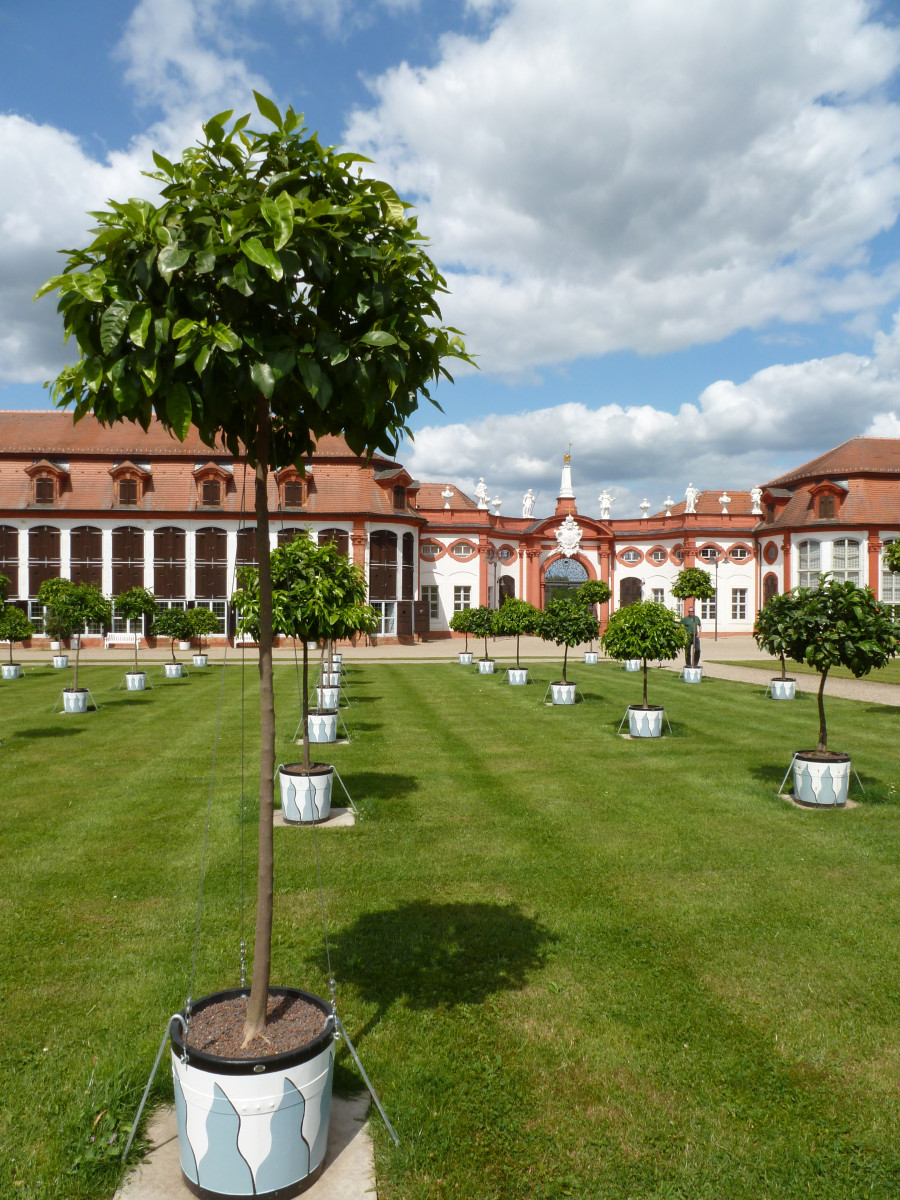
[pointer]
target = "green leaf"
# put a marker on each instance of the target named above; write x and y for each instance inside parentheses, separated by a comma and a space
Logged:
(263, 256)
(113, 323)
(139, 324)
(170, 259)
(163, 164)
(185, 325)
(378, 337)
(225, 337)
(268, 110)
(264, 378)
(204, 261)
(280, 215)
(395, 207)
(178, 410)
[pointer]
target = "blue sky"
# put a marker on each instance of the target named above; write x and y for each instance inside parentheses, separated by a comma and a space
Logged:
(670, 231)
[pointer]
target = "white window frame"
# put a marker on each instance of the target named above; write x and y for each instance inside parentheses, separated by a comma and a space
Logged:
(707, 609)
(809, 562)
(658, 595)
(462, 596)
(843, 553)
(739, 604)
(431, 594)
(386, 612)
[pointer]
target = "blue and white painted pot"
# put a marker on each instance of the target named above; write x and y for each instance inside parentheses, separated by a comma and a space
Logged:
(304, 798)
(645, 722)
(322, 726)
(337, 658)
(75, 700)
(590, 656)
(174, 670)
(562, 693)
(782, 689)
(633, 664)
(465, 658)
(201, 660)
(257, 1126)
(135, 681)
(11, 670)
(517, 676)
(692, 674)
(821, 782)
(60, 661)
(330, 679)
(328, 697)
(485, 666)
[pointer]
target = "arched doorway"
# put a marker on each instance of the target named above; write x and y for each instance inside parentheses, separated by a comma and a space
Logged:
(562, 578)
(630, 589)
(770, 587)
(506, 589)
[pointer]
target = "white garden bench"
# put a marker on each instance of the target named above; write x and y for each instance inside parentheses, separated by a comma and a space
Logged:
(120, 639)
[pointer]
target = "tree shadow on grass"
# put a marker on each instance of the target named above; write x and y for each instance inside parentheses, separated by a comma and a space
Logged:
(883, 710)
(366, 786)
(439, 955)
(772, 774)
(47, 732)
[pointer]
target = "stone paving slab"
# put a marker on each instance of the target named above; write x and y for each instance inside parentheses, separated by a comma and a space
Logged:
(349, 1161)
(340, 818)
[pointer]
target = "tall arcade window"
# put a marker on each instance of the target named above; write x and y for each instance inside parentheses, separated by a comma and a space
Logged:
(9, 557)
(845, 560)
(809, 563)
(890, 582)
(86, 555)
(337, 537)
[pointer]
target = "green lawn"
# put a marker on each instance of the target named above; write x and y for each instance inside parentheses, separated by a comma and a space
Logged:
(574, 965)
(890, 673)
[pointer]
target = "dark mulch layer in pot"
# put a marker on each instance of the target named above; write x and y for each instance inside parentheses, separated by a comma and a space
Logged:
(291, 1022)
(298, 769)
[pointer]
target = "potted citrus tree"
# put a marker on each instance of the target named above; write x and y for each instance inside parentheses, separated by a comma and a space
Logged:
(202, 622)
(135, 604)
(172, 623)
(59, 622)
(481, 624)
(593, 592)
(836, 624)
(75, 605)
(568, 623)
(274, 296)
(693, 583)
(645, 630)
(774, 622)
(513, 619)
(461, 622)
(14, 627)
(317, 594)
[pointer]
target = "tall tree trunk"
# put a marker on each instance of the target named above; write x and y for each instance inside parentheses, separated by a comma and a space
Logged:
(135, 654)
(77, 652)
(262, 946)
(305, 706)
(783, 668)
(518, 639)
(646, 705)
(822, 747)
(565, 660)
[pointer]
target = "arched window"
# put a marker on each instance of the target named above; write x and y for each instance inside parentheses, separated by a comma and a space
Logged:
(127, 558)
(210, 564)
(43, 556)
(169, 563)
(289, 533)
(770, 587)
(890, 581)
(407, 581)
(9, 557)
(86, 555)
(383, 565)
(809, 563)
(630, 589)
(246, 547)
(845, 560)
(563, 577)
(338, 537)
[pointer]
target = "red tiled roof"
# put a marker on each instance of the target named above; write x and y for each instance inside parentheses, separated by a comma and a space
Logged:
(707, 504)
(858, 456)
(868, 502)
(429, 496)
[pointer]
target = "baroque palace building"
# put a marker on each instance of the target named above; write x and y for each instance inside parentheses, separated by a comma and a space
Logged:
(120, 508)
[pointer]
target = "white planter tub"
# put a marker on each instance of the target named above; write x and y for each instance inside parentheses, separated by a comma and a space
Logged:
(322, 726)
(633, 664)
(562, 693)
(75, 700)
(60, 661)
(465, 658)
(257, 1126)
(201, 660)
(304, 798)
(55, 646)
(782, 689)
(645, 722)
(174, 670)
(692, 674)
(135, 681)
(590, 657)
(11, 670)
(184, 645)
(485, 666)
(517, 676)
(330, 679)
(328, 697)
(821, 783)
(337, 658)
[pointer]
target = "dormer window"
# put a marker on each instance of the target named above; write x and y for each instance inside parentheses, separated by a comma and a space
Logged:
(292, 493)
(128, 491)
(399, 497)
(826, 507)
(770, 513)
(44, 489)
(211, 493)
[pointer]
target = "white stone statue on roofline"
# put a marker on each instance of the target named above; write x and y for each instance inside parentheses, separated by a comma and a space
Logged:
(447, 495)
(667, 504)
(755, 498)
(605, 501)
(528, 503)
(496, 502)
(568, 537)
(724, 500)
(691, 496)
(481, 493)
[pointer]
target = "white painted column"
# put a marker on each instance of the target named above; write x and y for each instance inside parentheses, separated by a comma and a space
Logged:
(231, 537)
(23, 564)
(149, 575)
(190, 562)
(106, 577)
(65, 553)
